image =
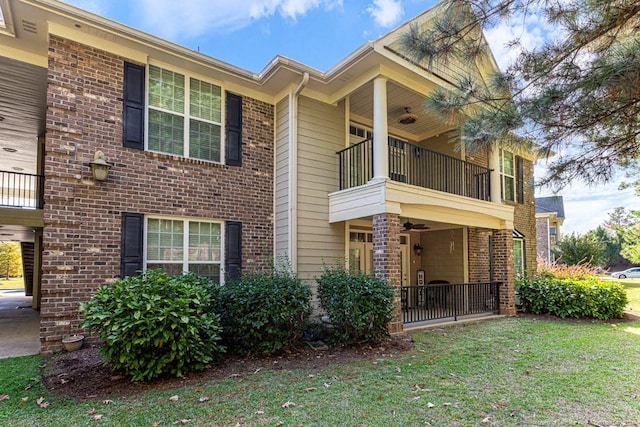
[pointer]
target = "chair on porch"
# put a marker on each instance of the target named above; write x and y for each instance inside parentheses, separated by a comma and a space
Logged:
(437, 296)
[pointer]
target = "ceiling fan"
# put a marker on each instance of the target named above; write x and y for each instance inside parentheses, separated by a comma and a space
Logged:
(411, 226)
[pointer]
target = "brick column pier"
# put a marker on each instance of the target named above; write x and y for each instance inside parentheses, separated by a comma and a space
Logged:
(503, 270)
(386, 260)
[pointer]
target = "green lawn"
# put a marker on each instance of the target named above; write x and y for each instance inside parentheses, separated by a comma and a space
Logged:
(633, 293)
(505, 372)
(13, 283)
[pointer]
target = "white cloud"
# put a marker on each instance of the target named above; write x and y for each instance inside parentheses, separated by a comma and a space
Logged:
(385, 13)
(173, 19)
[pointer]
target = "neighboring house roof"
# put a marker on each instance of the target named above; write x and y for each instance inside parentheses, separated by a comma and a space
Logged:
(549, 205)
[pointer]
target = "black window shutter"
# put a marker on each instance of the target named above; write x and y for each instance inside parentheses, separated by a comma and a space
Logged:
(233, 249)
(131, 244)
(520, 179)
(133, 108)
(234, 130)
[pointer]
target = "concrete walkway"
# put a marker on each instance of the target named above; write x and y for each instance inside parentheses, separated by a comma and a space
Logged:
(19, 325)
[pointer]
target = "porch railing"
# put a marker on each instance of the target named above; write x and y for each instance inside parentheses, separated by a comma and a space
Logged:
(442, 301)
(21, 190)
(415, 165)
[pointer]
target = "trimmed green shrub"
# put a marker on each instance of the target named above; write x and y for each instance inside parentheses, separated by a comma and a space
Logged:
(579, 298)
(359, 306)
(153, 324)
(263, 313)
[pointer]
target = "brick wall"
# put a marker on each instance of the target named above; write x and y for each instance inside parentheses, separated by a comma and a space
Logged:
(503, 270)
(83, 218)
(386, 259)
(478, 244)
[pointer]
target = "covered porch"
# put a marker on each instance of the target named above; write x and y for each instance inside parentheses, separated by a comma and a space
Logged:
(446, 263)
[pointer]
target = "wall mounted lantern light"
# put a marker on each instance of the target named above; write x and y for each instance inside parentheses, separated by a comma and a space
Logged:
(417, 249)
(100, 167)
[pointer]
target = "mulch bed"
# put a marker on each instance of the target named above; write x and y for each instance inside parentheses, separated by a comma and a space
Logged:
(81, 374)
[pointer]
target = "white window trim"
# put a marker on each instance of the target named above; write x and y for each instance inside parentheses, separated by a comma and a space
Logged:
(184, 115)
(185, 241)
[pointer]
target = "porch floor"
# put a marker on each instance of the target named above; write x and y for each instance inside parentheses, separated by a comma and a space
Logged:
(448, 321)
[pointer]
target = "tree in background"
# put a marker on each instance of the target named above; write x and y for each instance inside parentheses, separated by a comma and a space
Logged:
(10, 259)
(624, 225)
(612, 242)
(576, 94)
(577, 249)
(631, 244)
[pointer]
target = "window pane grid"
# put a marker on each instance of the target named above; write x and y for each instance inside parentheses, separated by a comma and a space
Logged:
(166, 132)
(204, 242)
(204, 141)
(205, 101)
(168, 241)
(166, 89)
(165, 240)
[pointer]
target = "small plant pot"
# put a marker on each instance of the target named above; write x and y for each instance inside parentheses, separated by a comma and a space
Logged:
(72, 342)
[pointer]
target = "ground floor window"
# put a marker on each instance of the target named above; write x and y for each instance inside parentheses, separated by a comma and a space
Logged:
(518, 257)
(177, 245)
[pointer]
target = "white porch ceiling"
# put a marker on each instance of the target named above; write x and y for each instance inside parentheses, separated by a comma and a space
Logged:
(22, 114)
(398, 98)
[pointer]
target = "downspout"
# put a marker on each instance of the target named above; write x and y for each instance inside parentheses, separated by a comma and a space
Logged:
(293, 174)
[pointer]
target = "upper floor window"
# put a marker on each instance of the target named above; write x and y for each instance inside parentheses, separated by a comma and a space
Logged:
(511, 176)
(507, 175)
(184, 115)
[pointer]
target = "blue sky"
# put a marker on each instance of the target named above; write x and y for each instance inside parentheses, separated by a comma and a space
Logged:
(249, 33)
(319, 33)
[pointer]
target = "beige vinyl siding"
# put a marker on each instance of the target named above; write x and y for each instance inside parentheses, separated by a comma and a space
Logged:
(444, 143)
(441, 259)
(321, 133)
(282, 179)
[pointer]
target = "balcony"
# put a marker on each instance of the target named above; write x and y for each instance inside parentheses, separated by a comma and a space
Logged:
(21, 190)
(415, 165)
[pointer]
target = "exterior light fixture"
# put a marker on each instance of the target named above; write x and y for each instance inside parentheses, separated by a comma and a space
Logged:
(417, 249)
(100, 167)
(407, 117)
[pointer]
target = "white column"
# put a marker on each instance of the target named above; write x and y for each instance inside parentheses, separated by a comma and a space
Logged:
(380, 131)
(494, 165)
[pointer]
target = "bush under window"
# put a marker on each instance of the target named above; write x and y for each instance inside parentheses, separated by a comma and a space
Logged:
(153, 324)
(263, 313)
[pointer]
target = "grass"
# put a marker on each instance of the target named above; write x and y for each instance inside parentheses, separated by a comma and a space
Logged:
(13, 283)
(506, 372)
(632, 287)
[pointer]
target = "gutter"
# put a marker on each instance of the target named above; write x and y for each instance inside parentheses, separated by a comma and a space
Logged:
(293, 172)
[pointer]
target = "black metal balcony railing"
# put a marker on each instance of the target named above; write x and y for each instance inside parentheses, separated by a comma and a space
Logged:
(21, 190)
(442, 301)
(415, 165)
